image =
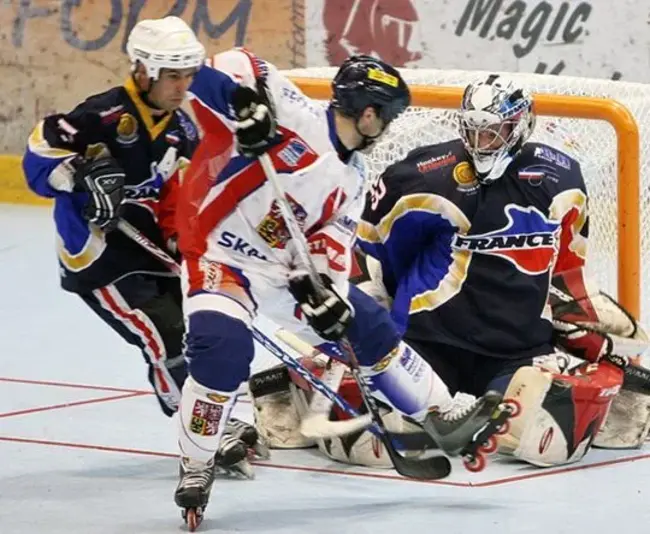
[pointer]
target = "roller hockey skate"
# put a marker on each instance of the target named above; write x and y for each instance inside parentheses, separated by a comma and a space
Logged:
(257, 448)
(239, 445)
(193, 490)
(470, 431)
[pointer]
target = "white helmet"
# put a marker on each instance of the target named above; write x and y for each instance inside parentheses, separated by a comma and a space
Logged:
(503, 111)
(164, 43)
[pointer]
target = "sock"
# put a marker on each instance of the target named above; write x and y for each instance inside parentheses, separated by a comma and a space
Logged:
(203, 415)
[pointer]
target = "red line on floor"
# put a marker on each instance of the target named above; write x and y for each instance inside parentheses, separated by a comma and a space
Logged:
(322, 470)
(85, 386)
(73, 385)
(568, 469)
(69, 404)
(259, 464)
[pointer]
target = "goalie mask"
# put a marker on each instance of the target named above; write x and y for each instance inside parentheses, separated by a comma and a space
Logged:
(495, 120)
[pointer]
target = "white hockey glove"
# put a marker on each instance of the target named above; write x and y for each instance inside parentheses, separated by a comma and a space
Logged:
(330, 314)
(103, 179)
(256, 124)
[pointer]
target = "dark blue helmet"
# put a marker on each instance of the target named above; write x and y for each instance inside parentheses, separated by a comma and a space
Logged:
(364, 81)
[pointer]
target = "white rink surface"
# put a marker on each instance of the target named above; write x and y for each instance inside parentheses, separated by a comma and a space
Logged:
(84, 447)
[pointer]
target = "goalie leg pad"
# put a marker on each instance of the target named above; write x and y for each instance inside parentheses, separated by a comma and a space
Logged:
(561, 414)
(278, 409)
(627, 423)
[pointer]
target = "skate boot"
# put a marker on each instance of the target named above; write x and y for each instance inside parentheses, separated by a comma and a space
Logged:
(469, 431)
(231, 458)
(193, 490)
(251, 438)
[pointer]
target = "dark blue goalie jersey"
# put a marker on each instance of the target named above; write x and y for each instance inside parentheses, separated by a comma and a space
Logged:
(151, 150)
(470, 265)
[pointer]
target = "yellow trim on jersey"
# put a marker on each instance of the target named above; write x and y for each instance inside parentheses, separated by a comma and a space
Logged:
(39, 146)
(91, 251)
(452, 282)
(154, 129)
(427, 202)
(562, 203)
(448, 287)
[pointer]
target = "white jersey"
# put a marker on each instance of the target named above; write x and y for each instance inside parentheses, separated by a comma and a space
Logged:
(239, 221)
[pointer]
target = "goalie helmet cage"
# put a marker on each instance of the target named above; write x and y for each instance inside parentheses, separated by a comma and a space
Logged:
(598, 122)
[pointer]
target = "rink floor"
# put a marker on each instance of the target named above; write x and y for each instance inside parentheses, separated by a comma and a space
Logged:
(85, 449)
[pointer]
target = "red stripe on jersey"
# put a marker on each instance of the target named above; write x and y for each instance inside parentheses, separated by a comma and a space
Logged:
(242, 184)
(567, 259)
(333, 202)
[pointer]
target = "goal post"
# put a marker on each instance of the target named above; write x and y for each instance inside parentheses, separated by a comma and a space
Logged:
(612, 166)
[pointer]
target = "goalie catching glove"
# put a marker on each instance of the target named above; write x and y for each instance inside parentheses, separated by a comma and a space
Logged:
(329, 314)
(256, 123)
(103, 180)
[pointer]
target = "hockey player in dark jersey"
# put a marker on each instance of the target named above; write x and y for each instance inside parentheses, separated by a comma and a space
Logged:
(464, 239)
(115, 155)
(119, 154)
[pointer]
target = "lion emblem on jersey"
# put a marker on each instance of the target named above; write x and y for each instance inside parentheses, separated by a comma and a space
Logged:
(273, 228)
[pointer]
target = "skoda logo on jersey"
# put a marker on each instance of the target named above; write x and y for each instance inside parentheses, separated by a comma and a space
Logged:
(529, 240)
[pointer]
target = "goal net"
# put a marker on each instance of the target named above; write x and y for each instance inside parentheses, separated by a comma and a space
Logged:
(601, 150)
(594, 143)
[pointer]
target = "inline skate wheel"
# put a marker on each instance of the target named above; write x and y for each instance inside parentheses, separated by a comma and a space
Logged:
(474, 463)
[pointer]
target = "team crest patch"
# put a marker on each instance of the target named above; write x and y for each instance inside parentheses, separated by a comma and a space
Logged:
(273, 229)
(205, 418)
(127, 129)
(464, 176)
(529, 240)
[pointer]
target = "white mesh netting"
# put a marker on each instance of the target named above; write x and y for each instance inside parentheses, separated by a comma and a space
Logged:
(591, 142)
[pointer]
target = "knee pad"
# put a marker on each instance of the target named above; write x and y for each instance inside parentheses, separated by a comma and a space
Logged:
(373, 333)
(560, 414)
(219, 350)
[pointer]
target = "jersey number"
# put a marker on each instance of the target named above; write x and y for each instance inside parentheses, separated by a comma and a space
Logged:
(377, 192)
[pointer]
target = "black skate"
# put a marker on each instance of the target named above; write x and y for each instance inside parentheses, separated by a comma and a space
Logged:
(257, 448)
(193, 490)
(469, 432)
(231, 458)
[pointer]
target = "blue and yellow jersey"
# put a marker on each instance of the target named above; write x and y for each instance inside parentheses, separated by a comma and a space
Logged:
(470, 265)
(148, 146)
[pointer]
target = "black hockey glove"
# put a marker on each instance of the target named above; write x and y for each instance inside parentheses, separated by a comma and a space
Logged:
(103, 179)
(256, 123)
(330, 314)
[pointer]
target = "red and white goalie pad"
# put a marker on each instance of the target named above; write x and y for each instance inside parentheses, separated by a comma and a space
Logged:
(592, 326)
(561, 414)
(281, 399)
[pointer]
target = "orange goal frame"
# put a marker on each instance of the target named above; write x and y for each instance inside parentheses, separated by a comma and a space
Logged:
(580, 107)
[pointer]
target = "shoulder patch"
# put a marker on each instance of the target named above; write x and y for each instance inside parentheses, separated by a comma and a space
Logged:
(552, 156)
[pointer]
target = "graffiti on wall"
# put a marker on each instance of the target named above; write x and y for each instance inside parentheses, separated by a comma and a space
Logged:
(541, 36)
(384, 28)
(525, 25)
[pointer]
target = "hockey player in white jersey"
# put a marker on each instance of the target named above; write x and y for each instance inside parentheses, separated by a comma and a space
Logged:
(239, 259)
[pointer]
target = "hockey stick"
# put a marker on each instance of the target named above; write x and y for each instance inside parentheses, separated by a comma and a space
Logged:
(414, 467)
(417, 441)
(139, 238)
(407, 441)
